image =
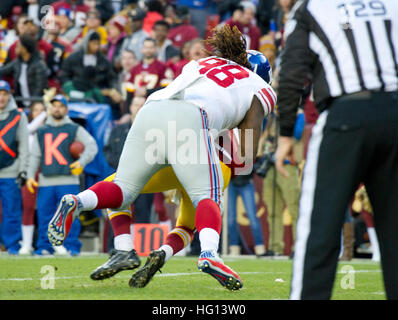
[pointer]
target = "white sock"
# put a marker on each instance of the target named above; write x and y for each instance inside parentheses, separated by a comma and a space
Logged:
(27, 235)
(209, 239)
(124, 242)
(374, 243)
(169, 251)
(88, 200)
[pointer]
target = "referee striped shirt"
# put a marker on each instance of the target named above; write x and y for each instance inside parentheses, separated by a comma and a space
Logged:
(342, 46)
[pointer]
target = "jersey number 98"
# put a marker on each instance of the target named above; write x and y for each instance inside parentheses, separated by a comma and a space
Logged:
(222, 73)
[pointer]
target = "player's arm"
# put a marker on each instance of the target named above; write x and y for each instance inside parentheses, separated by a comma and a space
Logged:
(250, 131)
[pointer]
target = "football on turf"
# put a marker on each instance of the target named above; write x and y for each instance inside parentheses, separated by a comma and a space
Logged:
(76, 148)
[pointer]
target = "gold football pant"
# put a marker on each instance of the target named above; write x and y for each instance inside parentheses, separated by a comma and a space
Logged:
(164, 180)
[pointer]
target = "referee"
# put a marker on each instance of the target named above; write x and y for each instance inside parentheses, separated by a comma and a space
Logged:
(349, 49)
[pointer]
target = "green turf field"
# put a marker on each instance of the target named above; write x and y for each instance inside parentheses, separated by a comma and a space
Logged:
(21, 278)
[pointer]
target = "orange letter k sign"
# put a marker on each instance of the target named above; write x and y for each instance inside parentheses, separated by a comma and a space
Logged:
(51, 150)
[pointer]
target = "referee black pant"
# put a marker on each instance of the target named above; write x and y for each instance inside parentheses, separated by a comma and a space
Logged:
(355, 140)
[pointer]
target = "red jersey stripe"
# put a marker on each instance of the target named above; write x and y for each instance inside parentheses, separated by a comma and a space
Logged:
(272, 92)
(267, 103)
(270, 99)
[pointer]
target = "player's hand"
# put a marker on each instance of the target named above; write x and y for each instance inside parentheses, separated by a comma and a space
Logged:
(76, 168)
(284, 150)
(31, 184)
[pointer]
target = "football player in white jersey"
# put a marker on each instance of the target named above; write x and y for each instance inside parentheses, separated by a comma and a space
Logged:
(177, 127)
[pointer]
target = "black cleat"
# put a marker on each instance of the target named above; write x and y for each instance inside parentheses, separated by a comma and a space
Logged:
(153, 263)
(119, 261)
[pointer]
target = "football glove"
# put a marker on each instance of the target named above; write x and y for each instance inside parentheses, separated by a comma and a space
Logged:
(31, 184)
(76, 168)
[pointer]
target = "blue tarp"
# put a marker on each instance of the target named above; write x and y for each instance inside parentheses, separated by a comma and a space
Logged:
(98, 122)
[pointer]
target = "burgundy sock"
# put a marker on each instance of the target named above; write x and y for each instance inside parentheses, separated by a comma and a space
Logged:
(108, 193)
(121, 224)
(208, 215)
(179, 238)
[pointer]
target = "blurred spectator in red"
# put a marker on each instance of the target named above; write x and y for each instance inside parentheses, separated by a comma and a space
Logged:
(155, 12)
(243, 18)
(182, 31)
(198, 13)
(192, 50)
(68, 30)
(165, 48)
(150, 74)
(28, 69)
(135, 40)
(116, 35)
(251, 31)
(30, 28)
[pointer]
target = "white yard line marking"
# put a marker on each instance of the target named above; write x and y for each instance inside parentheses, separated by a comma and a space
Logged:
(176, 274)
